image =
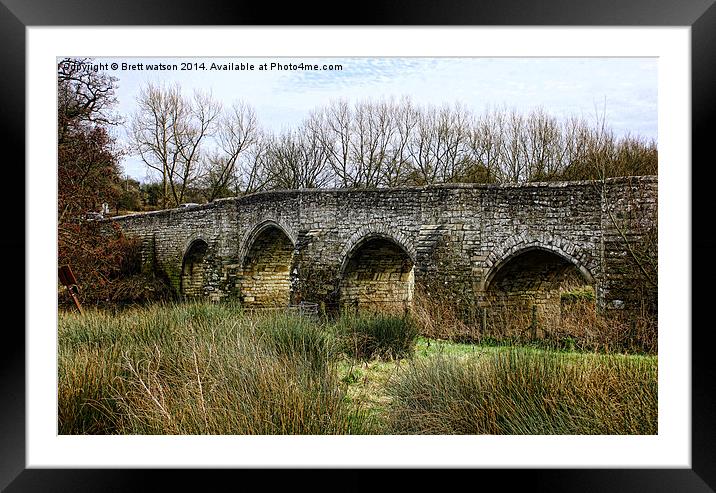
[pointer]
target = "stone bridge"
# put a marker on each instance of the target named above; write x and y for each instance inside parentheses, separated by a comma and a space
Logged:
(471, 245)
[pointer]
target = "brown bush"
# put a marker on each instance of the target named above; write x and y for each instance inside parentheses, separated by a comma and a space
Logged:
(582, 326)
(106, 264)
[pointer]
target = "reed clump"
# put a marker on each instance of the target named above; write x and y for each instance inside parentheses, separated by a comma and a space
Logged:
(525, 391)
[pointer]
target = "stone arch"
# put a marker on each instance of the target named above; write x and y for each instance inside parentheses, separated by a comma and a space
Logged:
(365, 233)
(266, 259)
(534, 286)
(193, 238)
(194, 268)
(522, 243)
(376, 272)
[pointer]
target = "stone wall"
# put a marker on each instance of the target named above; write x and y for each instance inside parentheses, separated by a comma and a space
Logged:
(629, 243)
(337, 246)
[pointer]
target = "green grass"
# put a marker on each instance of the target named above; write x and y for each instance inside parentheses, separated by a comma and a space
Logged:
(202, 368)
(581, 294)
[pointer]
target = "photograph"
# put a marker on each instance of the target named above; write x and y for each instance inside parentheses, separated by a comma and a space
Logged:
(458, 239)
(357, 245)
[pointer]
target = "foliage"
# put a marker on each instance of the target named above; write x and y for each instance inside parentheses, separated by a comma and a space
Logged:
(88, 160)
(106, 264)
(87, 173)
(104, 261)
(130, 195)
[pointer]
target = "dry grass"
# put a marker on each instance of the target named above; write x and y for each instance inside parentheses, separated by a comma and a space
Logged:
(211, 369)
(199, 369)
(366, 335)
(580, 328)
(524, 392)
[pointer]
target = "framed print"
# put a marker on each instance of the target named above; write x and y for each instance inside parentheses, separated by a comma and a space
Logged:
(129, 41)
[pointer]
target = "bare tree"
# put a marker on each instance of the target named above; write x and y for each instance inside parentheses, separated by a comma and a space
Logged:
(514, 168)
(394, 172)
(167, 131)
(370, 143)
(452, 151)
(366, 143)
(375, 127)
(253, 167)
(332, 128)
(420, 150)
(297, 159)
(439, 147)
(542, 146)
(486, 147)
(237, 131)
(577, 141)
(84, 97)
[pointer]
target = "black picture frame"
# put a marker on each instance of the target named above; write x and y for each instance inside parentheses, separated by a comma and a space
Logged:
(700, 15)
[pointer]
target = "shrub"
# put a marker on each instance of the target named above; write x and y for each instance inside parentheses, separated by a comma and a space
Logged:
(369, 335)
(585, 330)
(437, 316)
(580, 326)
(107, 266)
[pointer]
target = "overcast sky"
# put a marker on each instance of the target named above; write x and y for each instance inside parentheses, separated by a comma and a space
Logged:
(281, 98)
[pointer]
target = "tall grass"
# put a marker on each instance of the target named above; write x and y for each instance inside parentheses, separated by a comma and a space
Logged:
(367, 335)
(524, 392)
(199, 369)
(202, 368)
(298, 338)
